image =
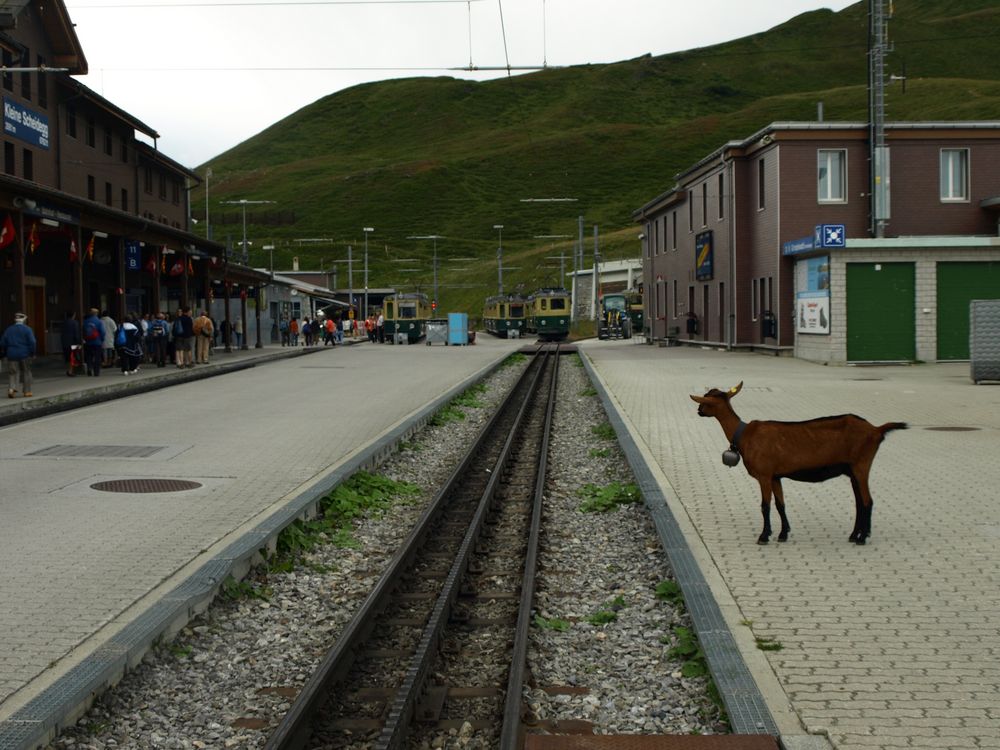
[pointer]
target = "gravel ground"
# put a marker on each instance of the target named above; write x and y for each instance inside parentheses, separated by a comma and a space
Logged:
(229, 675)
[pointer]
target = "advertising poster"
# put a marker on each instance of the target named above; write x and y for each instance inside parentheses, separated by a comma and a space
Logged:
(703, 256)
(812, 299)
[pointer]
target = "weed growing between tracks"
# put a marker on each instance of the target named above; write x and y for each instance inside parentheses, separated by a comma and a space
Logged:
(602, 499)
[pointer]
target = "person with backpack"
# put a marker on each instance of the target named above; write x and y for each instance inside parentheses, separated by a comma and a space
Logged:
(159, 332)
(129, 340)
(183, 331)
(93, 342)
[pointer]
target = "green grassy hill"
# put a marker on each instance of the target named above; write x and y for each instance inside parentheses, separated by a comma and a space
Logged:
(451, 157)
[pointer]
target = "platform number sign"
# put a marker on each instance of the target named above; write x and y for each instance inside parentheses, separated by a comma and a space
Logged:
(830, 235)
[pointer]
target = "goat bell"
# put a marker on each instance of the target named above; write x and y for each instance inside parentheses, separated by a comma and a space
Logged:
(730, 457)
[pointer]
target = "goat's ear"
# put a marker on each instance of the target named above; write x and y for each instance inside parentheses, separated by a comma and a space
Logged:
(735, 389)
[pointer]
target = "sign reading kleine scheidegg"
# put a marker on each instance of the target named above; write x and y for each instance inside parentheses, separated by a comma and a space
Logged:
(25, 124)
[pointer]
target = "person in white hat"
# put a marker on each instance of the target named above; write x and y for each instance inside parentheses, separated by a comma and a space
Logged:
(18, 345)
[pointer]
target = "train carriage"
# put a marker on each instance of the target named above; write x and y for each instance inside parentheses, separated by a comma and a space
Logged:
(407, 314)
(503, 314)
(549, 314)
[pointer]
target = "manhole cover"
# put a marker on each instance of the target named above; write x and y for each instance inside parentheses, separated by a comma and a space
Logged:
(98, 451)
(145, 485)
(952, 429)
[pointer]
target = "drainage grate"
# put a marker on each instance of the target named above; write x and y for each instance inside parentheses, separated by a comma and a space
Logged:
(953, 429)
(98, 451)
(137, 486)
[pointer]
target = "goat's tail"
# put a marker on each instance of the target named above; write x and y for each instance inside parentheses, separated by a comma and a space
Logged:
(890, 426)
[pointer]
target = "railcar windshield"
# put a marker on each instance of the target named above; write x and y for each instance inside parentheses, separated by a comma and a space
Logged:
(616, 302)
(517, 311)
(558, 303)
(408, 311)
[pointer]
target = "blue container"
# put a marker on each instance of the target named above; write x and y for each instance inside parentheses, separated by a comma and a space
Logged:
(458, 329)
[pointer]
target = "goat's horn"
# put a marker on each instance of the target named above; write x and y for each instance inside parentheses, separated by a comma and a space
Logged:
(735, 389)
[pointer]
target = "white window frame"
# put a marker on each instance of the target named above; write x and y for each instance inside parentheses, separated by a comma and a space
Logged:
(824, 183)
(946, 183)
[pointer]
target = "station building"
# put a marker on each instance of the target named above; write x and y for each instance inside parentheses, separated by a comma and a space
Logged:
(767, 243)
(90, 214)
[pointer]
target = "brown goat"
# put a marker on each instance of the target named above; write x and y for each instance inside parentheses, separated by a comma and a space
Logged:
(811, 451)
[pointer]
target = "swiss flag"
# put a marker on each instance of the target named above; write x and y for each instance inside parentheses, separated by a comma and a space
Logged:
(177, 268)
(151, 264)
(7, 232)
(72, 251)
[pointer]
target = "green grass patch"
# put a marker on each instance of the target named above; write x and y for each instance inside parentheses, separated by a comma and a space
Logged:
(362, 494)
(468, 397)
(551, 623)
(599, 452)
(670, 591)
(234, 590)
(768, 644)
(411, 446)
(688, 651)
(514, 359)
(447, 415)
(602, 499)
(589, 391)
(604, 431)
(180, 650)
(608, 612)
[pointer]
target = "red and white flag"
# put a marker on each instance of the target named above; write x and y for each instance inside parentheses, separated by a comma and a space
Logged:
(7, 232)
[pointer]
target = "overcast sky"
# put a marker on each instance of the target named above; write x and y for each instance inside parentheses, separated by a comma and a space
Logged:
(208, 74)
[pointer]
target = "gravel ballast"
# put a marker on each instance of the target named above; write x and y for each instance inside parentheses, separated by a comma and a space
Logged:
(228, 677)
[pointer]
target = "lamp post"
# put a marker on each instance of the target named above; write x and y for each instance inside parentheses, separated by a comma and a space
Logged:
(208, 226)
(434, 237)
(499, 228)
(367, 231)
(244, 203)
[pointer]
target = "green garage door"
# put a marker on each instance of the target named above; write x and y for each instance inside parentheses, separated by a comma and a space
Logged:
(881, 302)
(957, 285)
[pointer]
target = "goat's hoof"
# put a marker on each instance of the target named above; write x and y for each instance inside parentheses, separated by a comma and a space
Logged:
(783, 538)
(859, 541)
(762, 540)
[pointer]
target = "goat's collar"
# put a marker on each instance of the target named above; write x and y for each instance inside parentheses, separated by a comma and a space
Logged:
(734, 444)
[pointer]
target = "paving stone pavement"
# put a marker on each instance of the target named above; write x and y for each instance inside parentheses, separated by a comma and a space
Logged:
(895, 644)
(81, 566)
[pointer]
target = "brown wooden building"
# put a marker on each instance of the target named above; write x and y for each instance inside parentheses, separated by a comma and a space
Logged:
(767, 243)
(91, 215)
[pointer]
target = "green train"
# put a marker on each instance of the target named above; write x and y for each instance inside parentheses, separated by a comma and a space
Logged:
(549, 314)
(505, 313)
(621, 315)
(407, 314)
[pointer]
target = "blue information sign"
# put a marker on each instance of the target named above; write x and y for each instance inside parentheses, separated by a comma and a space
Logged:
(133, 256)
(25, 124)
(830, 235)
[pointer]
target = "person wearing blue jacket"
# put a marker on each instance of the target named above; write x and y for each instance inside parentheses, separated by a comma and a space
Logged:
(18, 343)
(93, 342)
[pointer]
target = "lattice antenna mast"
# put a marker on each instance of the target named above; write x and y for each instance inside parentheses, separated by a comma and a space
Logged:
(878, 48)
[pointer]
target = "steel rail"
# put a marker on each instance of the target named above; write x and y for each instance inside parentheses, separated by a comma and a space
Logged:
(401, 714)
(510, 733)
(294, 729)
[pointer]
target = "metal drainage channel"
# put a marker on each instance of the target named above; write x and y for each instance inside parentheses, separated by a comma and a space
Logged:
(139, 485)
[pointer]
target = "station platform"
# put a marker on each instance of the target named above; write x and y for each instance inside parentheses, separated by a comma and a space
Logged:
(212, 462)
(891, 644)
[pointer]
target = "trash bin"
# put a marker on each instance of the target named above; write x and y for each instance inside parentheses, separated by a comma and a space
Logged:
(458, 329)
(437, 331)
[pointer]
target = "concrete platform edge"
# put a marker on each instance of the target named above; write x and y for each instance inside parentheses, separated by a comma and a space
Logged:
(68, 696)
(754, 699)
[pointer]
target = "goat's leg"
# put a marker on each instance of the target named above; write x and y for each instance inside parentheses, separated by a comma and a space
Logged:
(779, 503)
(765, 509)
(862, 505)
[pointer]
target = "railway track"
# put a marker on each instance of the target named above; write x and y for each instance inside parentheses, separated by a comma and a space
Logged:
(440, 642)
